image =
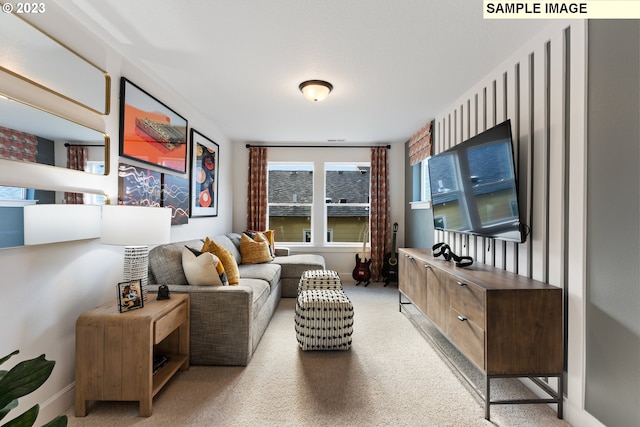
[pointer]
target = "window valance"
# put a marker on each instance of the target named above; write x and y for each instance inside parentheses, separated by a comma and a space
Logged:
(420, 144)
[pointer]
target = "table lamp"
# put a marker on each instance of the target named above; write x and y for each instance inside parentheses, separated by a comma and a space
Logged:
(136, 227)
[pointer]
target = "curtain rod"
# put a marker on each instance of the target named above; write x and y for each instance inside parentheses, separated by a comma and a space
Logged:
(388, 146)
(66, 144)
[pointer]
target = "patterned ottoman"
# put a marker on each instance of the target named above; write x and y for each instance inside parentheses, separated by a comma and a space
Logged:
(319, 279)
(324, 320)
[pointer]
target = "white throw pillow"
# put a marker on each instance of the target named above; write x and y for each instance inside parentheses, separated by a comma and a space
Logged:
(201, 270)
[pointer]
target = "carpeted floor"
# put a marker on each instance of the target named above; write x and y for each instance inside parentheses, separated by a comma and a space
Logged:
(390, 376)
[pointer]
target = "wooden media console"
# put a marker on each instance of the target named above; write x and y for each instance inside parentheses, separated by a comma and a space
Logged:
(505, 324)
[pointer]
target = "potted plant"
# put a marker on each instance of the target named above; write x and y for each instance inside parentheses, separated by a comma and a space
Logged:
(21, 380)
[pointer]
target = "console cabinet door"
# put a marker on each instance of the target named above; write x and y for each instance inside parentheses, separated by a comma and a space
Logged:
(437, 297)
(413, 280)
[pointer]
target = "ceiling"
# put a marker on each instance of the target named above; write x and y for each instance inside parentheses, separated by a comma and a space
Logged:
(394, 65)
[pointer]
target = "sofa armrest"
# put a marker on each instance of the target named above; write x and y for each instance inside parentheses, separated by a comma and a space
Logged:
(221, 323)
(282, 251)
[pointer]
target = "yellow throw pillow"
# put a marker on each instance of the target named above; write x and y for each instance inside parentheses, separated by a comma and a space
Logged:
(256, 250)
(203, 268)
(228, 261)
(270, 235)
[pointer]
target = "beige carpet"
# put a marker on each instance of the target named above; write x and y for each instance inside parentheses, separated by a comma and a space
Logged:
(391, 376)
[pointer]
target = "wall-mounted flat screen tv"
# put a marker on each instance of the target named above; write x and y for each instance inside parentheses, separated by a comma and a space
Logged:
(474, 188)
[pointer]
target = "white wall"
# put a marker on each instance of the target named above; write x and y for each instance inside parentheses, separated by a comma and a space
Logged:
(46, 287)
(340, 259)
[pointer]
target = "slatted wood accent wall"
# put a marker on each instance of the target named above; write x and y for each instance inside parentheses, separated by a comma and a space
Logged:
(541, 89)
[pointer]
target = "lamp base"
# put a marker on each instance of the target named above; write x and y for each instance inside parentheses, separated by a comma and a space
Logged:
(136, 266)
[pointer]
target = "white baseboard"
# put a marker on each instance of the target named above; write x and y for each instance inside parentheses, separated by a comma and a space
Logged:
(57, 404)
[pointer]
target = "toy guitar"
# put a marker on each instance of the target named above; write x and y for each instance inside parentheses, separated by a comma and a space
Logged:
(362, 271)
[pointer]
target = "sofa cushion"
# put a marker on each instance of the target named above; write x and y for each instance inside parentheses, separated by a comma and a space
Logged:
(230, 242)
(228, 260)
(203, 268)
(165, 262)
(268, 272)
(294, 265)
(254, 249)
(261, 292)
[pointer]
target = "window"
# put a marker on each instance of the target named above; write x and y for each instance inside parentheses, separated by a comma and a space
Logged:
(13, 193)
(425, 195)
(421, 197)
(290, 201)
(347, 198)
(338, 210)
(95, 167)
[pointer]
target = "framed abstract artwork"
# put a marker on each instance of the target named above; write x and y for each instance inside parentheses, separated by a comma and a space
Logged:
(205, 161)
(175, 195)
(151, 132)
(139, 186)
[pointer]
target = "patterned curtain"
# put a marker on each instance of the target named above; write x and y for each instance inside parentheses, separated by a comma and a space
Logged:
(380, 210)
(16, 145)
(420, 144)
(257, 192)
(76, 159)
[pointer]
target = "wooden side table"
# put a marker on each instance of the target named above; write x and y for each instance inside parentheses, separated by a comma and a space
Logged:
(115, 351)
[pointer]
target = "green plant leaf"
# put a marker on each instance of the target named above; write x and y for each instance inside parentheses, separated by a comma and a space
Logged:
(26, 419)
(24, 378)
(4, 411)
(7, 357)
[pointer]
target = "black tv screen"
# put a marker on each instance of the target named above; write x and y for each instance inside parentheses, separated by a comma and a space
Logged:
(474, 188)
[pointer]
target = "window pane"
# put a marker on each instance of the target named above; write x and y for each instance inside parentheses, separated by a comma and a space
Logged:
(347, 224)
(347, 196)
(291, 223)
(13, 193)
(289, 183)
(425, 186)
(290, 198)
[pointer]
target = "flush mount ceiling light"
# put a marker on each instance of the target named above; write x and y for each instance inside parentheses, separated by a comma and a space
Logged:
(315, 90)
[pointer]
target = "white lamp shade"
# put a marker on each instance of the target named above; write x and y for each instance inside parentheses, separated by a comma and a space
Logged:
(135, 225)
(60, 223)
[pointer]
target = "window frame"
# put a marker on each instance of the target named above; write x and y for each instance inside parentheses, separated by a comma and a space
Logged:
(305, 166)
(326, 166)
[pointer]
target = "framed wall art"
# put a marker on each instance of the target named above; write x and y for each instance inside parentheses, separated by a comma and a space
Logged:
(205, 161)
(175, 195)
(151, 132)
(139, 186)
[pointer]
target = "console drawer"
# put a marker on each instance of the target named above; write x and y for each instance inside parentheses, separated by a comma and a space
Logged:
(467, 336)
(468, 299)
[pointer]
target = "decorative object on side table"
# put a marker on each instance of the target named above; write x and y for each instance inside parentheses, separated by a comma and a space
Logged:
(163, 292)
(129, 295)
(135, 227)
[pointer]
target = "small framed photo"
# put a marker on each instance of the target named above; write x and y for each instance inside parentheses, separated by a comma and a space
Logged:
(129, 295)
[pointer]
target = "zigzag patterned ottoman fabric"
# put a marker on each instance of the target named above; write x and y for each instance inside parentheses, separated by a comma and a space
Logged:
(319, 279)
(324, 320)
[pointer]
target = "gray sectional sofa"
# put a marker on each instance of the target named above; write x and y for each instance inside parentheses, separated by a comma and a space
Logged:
(227, 322)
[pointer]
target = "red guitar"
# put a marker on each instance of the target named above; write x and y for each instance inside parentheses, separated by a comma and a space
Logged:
(362, 271)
